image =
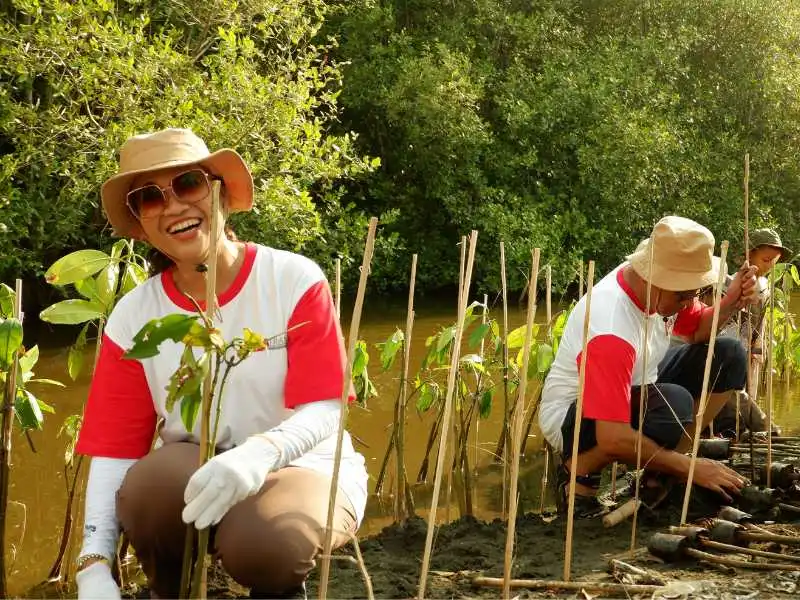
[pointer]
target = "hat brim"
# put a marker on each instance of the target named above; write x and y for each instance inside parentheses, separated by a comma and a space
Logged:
(225, 163)
(673, 280)
(786, 253)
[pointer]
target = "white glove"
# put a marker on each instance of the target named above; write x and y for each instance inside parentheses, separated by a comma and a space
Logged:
(96, 583)
(227, 479)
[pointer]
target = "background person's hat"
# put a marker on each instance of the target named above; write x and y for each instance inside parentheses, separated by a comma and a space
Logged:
(166, 149)
(683, 256)
(768, 237)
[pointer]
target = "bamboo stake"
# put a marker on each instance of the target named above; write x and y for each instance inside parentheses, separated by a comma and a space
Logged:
(338, 288)
(200, 574)
(450, 450)
(448, 407)
(516, 425)
(346, 382)
(402, 479)
(704, 391)
(8, 425)
(578, 410)
(750, 393)
(787, 362)
(770, 366)
(580, 279)
(504, 433)
(642, 392)
(549, 314)
(575, 586)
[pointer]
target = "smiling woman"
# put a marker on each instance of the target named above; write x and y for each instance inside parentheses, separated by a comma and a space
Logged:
(267, 519)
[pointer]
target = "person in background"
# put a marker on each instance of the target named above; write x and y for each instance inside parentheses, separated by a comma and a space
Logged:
(265, 494)
(683, 264)
(766, 250)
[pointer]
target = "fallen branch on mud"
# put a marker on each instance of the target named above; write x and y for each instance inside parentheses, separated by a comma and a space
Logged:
(589, 586)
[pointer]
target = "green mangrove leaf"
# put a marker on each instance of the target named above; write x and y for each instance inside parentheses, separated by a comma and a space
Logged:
(28, 411)
(107, 280)
(76, 265)
(88, 289)
(446, 338)
(10, 341)
(28, 360)
(7, 297)
(389, 349)
(360, 359)
(75, 355)
(156, 331)
(133, 276)
(486, 404)
(478, 333)
(72, 312)
(544, 358)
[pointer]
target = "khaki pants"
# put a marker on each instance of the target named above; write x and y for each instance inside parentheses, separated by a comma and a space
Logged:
(267, 542)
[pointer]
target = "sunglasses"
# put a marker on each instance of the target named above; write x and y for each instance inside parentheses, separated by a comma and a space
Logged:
(150, 200)
(691, 294)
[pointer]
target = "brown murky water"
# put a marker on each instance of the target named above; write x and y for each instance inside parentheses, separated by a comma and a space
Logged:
(38, 491)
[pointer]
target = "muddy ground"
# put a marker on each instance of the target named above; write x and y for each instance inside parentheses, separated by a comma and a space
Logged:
(467, 548)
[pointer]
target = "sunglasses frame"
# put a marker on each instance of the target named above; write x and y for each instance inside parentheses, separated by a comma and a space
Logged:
(208, 177)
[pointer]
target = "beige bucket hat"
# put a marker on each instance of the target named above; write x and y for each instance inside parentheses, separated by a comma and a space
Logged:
(163, 150)
(683, 256)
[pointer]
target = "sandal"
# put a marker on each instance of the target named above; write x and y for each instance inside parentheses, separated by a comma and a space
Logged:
(586, 507)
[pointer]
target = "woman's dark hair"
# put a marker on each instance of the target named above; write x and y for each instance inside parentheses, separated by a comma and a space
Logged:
(160, 262)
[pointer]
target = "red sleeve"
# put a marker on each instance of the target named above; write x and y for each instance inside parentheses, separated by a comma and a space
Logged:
(609, 373)
(315, 350)
(688, 320)
(119, 420)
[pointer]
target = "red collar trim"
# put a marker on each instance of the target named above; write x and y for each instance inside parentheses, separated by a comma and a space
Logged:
(181, 301)
(629, 291)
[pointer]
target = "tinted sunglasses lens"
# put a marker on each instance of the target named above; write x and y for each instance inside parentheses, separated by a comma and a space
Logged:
(191, 186)
(146, 201)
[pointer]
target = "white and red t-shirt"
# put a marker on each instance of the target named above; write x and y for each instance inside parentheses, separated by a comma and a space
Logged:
(274, 291)
(615, 353)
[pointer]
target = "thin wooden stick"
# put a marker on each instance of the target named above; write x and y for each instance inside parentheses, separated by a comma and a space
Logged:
(580, 279)
(642, 391)
(338, 288)
(519, 419)
(354, 325)
(402, 478)
(576, 586)
(704, 391)
(748, 384)
(8, 426)
(578, 410)
(448, 407)
(770, 366)
(450, 450)
(200, 574)
(787, 361)
(504, 433)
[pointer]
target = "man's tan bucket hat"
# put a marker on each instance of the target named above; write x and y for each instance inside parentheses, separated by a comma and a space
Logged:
(683, 256)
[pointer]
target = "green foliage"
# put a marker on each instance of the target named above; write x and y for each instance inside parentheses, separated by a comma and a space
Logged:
(14, 358)
(79, 77)
(572, 126)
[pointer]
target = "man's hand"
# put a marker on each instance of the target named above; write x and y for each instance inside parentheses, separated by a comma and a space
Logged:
(717, 477)
(743, 290)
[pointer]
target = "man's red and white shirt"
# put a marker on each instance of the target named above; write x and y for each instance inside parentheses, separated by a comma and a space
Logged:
(275, 292)
(614, 355)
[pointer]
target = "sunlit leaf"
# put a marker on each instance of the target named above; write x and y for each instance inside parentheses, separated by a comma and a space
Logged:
(107, 280)
(7, 297)
(26, 407)
(75, 354)
(28, 360)
(360, 358)
(10, 341)
(133, 276)
(72, 312)
(389, 349)
(544, 358)
(516, 338)
(171, 327)
(445, 338)
(477, 334)
(76, 265)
